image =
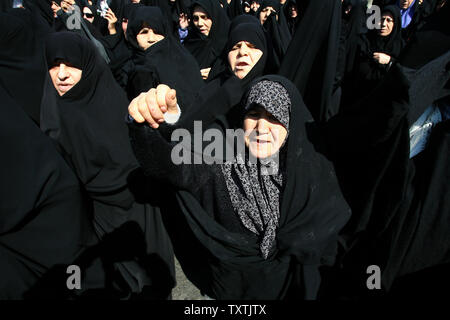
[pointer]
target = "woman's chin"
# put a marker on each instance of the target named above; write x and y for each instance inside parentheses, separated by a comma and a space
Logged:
(261, 153)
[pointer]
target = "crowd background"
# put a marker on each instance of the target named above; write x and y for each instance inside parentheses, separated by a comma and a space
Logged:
(74, 190)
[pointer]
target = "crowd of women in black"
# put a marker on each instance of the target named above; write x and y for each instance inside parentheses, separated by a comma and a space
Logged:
(348, 112)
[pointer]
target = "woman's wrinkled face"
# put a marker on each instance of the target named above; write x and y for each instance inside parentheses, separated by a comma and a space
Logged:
(264, 134)
(64, 76)
(243, 57)
(147, 37)
(265, 13)
(387, 24)
(201, 20)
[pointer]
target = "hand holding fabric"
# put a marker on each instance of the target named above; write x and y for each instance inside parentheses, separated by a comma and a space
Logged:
(150, 106)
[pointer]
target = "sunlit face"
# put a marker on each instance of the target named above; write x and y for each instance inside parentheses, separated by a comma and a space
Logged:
(202, 20)
(55, 8)
(64, 77)
(88, 15)
(387, 24)
(147, 37)
(265, 13)
(242, 58)
(405, 4)
(264, 135)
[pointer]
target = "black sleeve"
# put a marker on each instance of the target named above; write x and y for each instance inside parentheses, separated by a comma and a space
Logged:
(213, 101)
(154, 154)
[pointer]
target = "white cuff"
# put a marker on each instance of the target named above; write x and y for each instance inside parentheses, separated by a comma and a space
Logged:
(172, 118)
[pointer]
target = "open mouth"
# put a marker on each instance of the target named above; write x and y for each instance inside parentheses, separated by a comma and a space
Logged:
(241, 65)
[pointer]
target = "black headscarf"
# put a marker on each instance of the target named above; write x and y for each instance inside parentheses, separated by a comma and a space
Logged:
(308, 225)
(206, 49)
(391, 44)
(353, 26)
(172, 11)
(166, 62)
(44, 219)
(151, 17)
(22, 64)
(243, 28)
(41, 7)
(368, 72)
(277, 30)
(233, 9)
(87, 123)
(311, 59)
(291, 22)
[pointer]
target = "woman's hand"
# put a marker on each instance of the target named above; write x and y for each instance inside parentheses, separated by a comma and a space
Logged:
(112, 19)
(67, 5)
(381, 58)
(183, 21)
(150, 106)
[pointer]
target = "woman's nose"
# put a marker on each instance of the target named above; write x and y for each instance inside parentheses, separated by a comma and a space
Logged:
(262, 126)
(62, 74)
(243, 50)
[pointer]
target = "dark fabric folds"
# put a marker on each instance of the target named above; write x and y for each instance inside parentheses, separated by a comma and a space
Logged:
(45, 219)
(166, 62)
(87, 124)
(311, 59)
(206, 49)
(306, 237)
